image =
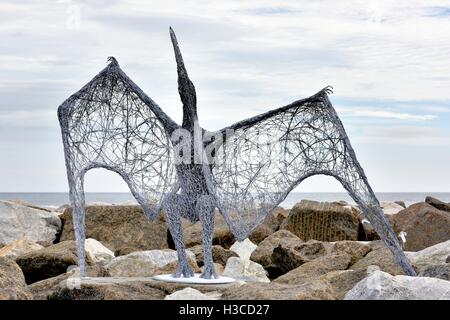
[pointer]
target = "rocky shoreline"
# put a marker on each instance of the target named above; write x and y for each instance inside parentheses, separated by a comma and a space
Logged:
(315, 250)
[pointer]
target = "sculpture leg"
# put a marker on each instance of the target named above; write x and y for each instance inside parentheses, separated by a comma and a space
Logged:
(205, 208)
(173, 204)
(76, 194)
(363, 195)
(375, 215)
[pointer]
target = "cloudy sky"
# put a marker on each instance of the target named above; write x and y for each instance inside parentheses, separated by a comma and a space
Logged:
(388, 61)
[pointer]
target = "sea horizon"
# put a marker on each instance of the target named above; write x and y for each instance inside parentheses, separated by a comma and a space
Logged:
(56, 199)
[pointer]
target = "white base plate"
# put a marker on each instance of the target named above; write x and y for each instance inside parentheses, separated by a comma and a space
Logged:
(194, 280)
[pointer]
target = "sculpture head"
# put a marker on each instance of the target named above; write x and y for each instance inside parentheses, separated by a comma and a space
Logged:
(186, 88)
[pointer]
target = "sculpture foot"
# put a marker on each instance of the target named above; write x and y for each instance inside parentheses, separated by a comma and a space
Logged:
(209, 272)
(183, 270)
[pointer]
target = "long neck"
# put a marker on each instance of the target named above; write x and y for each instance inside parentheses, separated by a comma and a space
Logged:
(186, 88)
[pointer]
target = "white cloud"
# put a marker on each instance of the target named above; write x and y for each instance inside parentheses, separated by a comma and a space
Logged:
(28, 119)
(402, 135)
(380, 113)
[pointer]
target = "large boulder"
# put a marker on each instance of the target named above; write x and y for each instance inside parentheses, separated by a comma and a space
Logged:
(270, 225)
(12, 281)
(97, 252)
(315, 268)
(44, 288)
(441, 271)
(434, 255)
(118, 226)
(244, 248)
(424, 225)
(401, 203)
(245, 270)
(191, 294)
(263, 253)
(220, 255)
(343, 281)
(29, 204)
(286, 258)
(289, 258)
(18, 221)
(390, 208)
(380, 256)
(193, 233)
(356, 249)
(438, 204)
(148, 263)
(106, 289)
(19, 247)
(383, 286)
(323, 221)
(311, 290)
(368, 233)
(41, 290)
(49, 262)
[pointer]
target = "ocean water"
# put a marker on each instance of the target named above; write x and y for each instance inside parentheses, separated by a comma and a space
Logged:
(60, 198)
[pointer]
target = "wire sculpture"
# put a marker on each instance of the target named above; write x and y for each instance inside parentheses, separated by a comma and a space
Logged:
(244, 170)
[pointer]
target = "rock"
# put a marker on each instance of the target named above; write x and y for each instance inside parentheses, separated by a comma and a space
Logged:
(188, 294)
(383, 286)
(270, 225)
(315, 268)
(260, 233)
(369, 233)
(29, 205)
(245, 270)
(440, 271)
(97, 252)
(380, 256)
(371, 269)
(401, 203)
(12, 281)
(424, 225)
(322, 221)
(18, 221)
(312, 290)
(171, 287)
(19, 247)
(356, 249)
(41, 290)
(244, 248)
(438, 204)
(286, 258)
(119, 226)
(62, 208)
(107, 289)
(434, 255)
(220, 255)
(447, 260)
(341, 202)
(124, 251)
(147, 263)
(192, 233)
(263, 253)
(391, 208)
(342, 281)
(49, 262)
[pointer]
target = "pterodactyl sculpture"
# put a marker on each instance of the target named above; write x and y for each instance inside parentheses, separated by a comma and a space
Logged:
(245, 170)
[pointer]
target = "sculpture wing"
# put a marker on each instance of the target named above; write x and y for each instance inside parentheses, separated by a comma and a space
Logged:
(261, 159)
(110, 123)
